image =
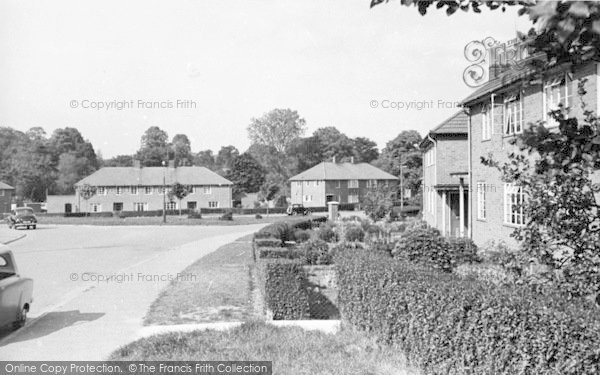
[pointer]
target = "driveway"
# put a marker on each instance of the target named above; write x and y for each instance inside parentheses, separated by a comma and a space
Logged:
(93, 284)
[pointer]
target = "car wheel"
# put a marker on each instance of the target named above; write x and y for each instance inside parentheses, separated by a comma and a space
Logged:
(35, 226)
(21, 318)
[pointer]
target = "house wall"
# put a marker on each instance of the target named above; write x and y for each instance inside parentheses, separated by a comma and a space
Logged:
(340, 192)
(6, 196)
(429, 181)
(220, 194)
(308, 193)
(493, 227)
(56, 203)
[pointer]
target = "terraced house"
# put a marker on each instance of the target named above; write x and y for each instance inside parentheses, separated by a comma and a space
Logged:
(346, 183)
(495, 113)
(142, 189)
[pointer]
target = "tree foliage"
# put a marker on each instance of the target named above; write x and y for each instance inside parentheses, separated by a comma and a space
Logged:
(277, 128)
(246, 174)
(154, 147)
(178, 191)
(378, 203)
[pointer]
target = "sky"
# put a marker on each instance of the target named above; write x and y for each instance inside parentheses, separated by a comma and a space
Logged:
(206, 68)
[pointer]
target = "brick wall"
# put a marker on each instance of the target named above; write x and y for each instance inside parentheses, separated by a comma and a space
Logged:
(340, 192)
(5, 200)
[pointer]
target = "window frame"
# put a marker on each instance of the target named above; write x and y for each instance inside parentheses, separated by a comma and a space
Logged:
(486, 122)
(511, 215)
(481, 201)
(512, 103)
(553, 81)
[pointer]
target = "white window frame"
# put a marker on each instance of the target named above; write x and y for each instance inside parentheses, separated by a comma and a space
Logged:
(338, 184)
(118, 190)
(486, 122)
(137, 205)
(316, 183)
(513, 114)
(307, 198)
(550, 103)
(353, 198)
(133, 190)
(213, 204)
(95, 207)
(352, 184)
(101, 190)
(481, 191)
(171, 205)
(513, 196)
(148, 190)
(207, 190)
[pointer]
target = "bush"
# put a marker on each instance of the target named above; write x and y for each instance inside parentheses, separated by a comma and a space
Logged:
(267, 242)
(279, 253)
(425, 245)
(316, 252)
(447, 325)
(463, 250)
(258, 216)
(301, 235)
(283, 286)
(354, 233)
(327, 233)
(227, 216)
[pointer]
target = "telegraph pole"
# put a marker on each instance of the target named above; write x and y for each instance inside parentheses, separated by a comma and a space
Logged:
(164, 188)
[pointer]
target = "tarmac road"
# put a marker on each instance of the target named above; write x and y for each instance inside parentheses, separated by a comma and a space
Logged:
(94, 284)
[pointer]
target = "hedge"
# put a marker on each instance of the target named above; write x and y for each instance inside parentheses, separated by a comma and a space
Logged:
(449, 325)
(283, 286)
(284, 230)
(278, 253)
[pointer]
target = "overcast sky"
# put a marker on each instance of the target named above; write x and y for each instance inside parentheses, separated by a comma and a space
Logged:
(236, 60)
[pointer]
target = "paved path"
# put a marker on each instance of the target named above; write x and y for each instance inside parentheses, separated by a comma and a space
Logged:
(84, 320)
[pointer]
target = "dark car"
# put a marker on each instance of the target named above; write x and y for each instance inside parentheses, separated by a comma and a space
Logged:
(297, 209)
(22, 217)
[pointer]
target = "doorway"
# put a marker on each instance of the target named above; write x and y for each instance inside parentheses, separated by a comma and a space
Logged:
(454, 204)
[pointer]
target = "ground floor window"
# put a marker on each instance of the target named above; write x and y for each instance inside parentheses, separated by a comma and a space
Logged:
(191, 205)
(481, 200)
(307, 198)
(213, 204)
(118, 206)
(353, 198)
(140, 206)
(95, 207)
(171, 205)
(513, 204)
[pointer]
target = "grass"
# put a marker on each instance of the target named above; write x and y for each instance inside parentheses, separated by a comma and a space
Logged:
(292, 350)
(219, 290)
(157, 220)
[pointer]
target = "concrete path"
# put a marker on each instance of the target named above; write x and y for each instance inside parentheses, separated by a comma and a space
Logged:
(93, 319)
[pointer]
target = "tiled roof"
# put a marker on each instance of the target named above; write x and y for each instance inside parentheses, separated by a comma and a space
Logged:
(343, 171)
(457, 124)
(4, 186)
(153, 176)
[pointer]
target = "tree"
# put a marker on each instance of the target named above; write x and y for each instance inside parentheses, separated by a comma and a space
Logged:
(365, 150)
(561, 209)
(378, 203)
(277, 128)
(120, 161)
(334, 143)
(178, 191)
(402, 154)
(87, 191)
(205, 159)
(567, 30)
(246, 174)
(70, 170)
(304, 153)
(154, 148)
(225, 158)
(182, 150)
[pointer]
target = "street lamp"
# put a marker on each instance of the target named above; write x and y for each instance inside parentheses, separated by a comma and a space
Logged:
(164, 191)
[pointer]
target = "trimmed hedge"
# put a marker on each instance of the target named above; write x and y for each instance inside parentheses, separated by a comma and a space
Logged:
(449, 325)
(278, 253)
(316, 252)
(284, 230)
(424, 245)
(267, 242)
(283, 286)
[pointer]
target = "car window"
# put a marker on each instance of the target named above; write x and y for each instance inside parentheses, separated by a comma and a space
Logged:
(3, 262)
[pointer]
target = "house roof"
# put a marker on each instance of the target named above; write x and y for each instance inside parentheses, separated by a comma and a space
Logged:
(457, 124)
(153, 176)
(343, 171)
(4, 186)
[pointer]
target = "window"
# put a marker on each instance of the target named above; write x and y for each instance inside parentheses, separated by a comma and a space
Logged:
(371, 184)
(307, 198)
(119, 190)
(118, 206)
(170, 206)
(513, 114)
(101, 190)
(486, 122)
(1, 193)
(481, 200)
(162, 190)
(192, 189)
(207, 190)
(213, 204)
(134, 190)
(353, 184)
(557, 94)
(95, 207)
(140, 206)
(148, 190)
(192, 205)
(353, 198)
(513, 204)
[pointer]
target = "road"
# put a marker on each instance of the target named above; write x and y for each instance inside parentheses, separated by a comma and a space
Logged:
(94, 284)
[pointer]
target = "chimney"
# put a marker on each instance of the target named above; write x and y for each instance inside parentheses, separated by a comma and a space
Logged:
(137, 164)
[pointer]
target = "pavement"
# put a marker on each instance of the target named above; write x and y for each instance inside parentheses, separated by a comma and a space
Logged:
(93, 285)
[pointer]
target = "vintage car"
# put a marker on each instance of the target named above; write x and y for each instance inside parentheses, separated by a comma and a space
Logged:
(15, 292)
(297, 209)
(22, 217)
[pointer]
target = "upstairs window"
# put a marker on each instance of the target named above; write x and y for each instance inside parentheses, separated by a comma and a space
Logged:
(207, 190)
(101, 190)
(513, 114)
(352, 184)
(557, 94)
(134, 190)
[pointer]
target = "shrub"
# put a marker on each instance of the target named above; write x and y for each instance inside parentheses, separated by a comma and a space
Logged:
(447, 325)
(283, 286)
(301, 235)
(227, 216)
(327, 233)
(267, 242)
(463, 250)
(316, 252)
(425, 245)
(258, 216)
(279, 253)
(354, 233)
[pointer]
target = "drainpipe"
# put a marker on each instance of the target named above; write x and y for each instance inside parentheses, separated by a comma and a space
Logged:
(470, 171)
(434, 141)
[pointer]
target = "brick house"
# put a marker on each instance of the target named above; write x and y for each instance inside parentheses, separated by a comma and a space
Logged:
(445, 176)
(141, 189)
(339, 182)
(6, 197)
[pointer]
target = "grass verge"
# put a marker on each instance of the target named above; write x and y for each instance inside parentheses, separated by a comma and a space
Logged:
(292, 350)
(215, 288)
(171, 220)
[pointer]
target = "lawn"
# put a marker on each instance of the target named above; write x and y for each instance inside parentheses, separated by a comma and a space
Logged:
(292, 350)
(157, 220)
(219, 292)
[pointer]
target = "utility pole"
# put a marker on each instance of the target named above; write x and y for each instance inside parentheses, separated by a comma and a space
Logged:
(164, 188)
(401, 187)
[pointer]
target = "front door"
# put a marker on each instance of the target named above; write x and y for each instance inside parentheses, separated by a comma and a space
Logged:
(454, 204)
(68, 208)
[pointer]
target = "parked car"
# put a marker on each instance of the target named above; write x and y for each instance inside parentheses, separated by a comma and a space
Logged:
(297, 209)
(22, 217)
(15, 292)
